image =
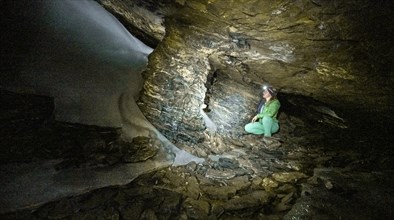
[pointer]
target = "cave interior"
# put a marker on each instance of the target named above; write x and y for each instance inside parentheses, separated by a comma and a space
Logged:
(128, 109)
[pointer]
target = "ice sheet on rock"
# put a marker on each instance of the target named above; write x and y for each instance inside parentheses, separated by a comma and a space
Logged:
(135, 124)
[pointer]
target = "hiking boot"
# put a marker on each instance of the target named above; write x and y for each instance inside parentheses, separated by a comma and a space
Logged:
(271, 142)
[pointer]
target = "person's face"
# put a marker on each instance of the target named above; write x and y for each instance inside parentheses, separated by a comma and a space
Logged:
(266, 94)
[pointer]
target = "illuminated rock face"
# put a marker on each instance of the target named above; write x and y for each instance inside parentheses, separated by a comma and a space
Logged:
(336, 52)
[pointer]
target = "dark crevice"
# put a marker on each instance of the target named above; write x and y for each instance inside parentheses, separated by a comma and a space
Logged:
(211, 79)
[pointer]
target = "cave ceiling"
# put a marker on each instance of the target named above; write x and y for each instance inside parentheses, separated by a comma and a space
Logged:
(336, 52)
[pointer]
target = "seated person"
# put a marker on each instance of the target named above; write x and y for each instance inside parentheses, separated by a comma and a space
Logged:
(266, 122)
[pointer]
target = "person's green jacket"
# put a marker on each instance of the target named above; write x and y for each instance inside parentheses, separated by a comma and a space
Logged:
(271, 109)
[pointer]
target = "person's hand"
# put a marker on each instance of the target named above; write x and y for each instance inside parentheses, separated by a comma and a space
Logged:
(254, 119)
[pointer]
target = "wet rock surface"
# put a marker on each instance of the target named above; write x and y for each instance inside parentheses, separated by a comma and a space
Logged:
(312, 175)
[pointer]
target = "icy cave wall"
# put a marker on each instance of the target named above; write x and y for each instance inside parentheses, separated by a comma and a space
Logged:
(73, 51)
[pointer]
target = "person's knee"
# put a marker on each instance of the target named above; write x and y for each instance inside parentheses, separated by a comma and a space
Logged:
(267, 119)
(275, 128)
(247, 128)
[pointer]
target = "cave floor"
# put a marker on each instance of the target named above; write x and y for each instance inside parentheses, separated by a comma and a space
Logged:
(54, 170)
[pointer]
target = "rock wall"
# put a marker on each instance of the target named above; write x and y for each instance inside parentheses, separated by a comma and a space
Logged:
(331, 51)
(174, 88)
